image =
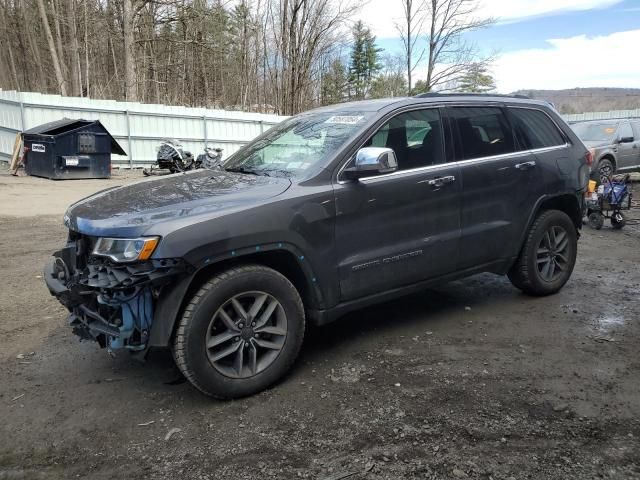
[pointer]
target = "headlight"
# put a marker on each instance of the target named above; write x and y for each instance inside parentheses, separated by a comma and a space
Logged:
(126, 249)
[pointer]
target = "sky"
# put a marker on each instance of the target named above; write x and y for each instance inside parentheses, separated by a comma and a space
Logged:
(542, 44)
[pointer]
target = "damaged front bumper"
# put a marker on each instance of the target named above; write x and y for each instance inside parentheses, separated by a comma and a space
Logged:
(108, 302)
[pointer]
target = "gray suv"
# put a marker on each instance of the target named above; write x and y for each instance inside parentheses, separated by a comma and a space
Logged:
(614, 144)
(328, 212)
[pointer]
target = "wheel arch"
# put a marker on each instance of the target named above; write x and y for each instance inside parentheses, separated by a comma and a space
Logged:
(609, 156)
(284, 259)
(565, 202)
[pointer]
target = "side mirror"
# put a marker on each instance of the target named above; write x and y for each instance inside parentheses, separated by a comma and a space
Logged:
(372, 161)
(625, 140)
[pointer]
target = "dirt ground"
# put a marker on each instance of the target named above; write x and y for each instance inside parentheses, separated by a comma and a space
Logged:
(472, 380)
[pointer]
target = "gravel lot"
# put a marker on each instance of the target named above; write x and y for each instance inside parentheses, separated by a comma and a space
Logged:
(471, 380)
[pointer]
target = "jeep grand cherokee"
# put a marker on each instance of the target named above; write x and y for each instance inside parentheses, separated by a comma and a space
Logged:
(327, 212)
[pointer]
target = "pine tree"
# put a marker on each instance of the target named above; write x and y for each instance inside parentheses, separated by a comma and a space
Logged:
(334, 83)
(364, 61)
(476, 80)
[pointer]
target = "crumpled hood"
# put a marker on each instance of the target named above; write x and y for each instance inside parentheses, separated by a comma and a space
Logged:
(129, 210)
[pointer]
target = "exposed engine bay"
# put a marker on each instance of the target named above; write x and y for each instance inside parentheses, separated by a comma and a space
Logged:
(111, 303)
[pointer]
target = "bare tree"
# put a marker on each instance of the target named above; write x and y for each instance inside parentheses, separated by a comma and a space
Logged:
(57, 68)
(262, 55)
(302, 31)
(74, 50)
(410, 32)
(449, 55)
(130, 84)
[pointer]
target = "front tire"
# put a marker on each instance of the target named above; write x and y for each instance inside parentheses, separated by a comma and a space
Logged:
(548, 256)
(240, 333)
(606, 169)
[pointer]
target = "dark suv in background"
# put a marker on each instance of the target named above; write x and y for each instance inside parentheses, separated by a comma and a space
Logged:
(327, 212)
(614, 145)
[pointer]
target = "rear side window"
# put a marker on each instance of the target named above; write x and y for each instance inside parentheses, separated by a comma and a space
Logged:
(534, 129)
(481, 132)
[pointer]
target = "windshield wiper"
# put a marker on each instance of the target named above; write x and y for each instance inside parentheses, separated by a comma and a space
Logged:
(246, 170)
(285, 173)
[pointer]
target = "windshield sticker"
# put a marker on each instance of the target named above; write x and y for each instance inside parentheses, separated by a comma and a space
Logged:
(293, 165)
(609, 130)
(344, 119)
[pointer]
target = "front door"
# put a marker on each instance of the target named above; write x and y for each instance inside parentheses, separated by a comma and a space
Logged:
(399, 228)
(628, 151)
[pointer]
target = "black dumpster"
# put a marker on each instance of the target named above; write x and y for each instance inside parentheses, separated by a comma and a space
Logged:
(69, 149)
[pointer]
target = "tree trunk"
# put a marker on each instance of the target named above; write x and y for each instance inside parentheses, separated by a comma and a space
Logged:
(62, 84)
(57, 12)
(86, 51)
(409, 44)
(130, 85)
(40, 84)
(74, 51)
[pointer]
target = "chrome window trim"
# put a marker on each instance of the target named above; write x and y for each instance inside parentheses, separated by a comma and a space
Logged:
(459, 162)
(401, 173)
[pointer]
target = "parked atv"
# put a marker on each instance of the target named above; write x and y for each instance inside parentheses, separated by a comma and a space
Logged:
(171, 158)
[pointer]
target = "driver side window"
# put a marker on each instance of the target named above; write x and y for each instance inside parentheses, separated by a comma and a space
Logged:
(624, 131)
(415, 137)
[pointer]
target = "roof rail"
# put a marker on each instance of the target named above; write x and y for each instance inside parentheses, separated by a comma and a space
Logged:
(437, 94)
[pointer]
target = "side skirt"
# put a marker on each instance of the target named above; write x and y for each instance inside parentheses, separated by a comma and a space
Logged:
(324, 317)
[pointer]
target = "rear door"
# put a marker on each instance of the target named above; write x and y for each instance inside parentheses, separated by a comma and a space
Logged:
(400, 228)
(499, 183)
(627, 150)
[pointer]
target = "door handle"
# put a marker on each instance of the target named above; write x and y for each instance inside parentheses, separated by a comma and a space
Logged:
(441, 181)
(525, 165)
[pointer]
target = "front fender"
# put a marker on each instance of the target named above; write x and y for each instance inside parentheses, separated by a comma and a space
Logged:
(174, 297)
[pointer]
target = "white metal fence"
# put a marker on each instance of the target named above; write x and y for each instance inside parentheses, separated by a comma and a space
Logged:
(138, 127)
(602, 115)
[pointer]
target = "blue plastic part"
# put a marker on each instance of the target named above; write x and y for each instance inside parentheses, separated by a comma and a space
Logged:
(301, 257)
(257, 248)
(233, 253)
(207, 261)
(137, 314)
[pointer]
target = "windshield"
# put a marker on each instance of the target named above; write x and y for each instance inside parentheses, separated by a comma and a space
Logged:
(298, 145)
(595, 132)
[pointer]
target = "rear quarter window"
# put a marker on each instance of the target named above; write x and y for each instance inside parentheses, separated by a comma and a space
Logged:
(534, 129)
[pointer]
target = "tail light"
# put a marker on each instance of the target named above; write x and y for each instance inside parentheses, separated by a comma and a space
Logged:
(588, 157)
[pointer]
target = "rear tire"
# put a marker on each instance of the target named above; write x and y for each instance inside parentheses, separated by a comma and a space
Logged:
(548, 256)
(215, 345)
